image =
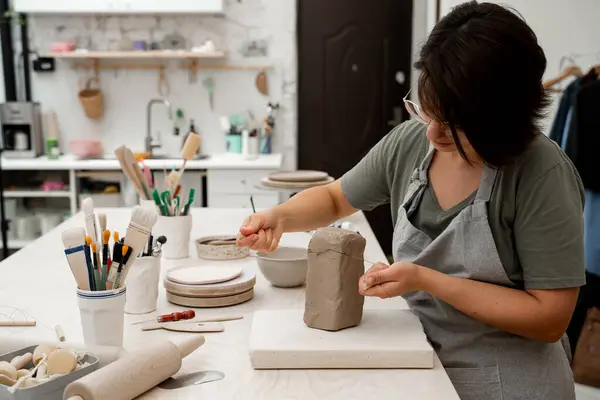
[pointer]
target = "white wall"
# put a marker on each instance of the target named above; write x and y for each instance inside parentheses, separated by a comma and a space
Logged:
(563, 27)
(127, 92)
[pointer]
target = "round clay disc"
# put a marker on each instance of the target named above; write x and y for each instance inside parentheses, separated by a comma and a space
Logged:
(202, 275)
(241, 284)
(210, 302)
(298, 176)
(295, 185)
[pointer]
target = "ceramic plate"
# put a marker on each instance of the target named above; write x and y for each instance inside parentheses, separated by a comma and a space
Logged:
(200, 302)
(298, 176)
(202, 275)
(295, 185)
(241, 284)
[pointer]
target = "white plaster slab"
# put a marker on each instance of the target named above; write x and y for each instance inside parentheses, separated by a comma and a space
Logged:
(279, 339)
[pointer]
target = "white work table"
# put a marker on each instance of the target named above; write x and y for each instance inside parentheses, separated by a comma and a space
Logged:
(37, 279)
(70, 162)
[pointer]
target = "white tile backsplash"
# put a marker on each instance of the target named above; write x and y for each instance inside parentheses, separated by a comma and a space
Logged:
(127, 92)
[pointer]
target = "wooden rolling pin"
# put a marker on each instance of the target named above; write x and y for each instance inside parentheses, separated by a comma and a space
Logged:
(134, 374)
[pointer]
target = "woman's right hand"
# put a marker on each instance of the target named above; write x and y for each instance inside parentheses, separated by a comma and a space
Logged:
(261, 232)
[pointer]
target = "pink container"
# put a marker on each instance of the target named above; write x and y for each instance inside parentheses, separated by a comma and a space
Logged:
(86, 148)
(62, 47)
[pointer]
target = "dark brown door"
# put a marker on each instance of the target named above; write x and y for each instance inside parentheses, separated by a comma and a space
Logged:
(354, 69)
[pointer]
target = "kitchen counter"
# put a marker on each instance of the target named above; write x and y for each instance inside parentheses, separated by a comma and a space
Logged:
(37, 279)
(70, 162)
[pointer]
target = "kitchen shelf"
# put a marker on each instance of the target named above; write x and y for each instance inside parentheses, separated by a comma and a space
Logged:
(137, 55)
(36, 193)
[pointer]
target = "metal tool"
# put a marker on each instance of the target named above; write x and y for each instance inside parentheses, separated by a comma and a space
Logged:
(157, 250)
(356, 258)
(194, 378)
(173, 317)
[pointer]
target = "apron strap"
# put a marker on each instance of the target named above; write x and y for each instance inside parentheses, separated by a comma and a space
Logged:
(488, 179)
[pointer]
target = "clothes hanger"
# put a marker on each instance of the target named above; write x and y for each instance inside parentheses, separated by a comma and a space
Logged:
(571, 70)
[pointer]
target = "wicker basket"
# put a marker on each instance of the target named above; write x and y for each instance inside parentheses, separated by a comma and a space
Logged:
(91, 99)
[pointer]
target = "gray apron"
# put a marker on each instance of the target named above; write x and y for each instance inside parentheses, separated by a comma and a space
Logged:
(483, 363)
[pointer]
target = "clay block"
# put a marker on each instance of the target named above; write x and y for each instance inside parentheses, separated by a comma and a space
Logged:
(332, 298)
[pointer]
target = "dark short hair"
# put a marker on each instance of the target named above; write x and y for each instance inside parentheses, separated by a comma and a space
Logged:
(481, 72)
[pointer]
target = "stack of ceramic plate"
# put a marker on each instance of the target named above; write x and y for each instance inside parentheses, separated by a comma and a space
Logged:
(296, 179)
(206, 286)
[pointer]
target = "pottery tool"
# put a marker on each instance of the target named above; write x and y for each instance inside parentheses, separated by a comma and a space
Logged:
(124, 156)
(298, 176)
(157, 250)
(87, 205)
(158, 202)
(218, 319)
(252, 204)
(210, 302)
(17, 323)
(192, 327)
(60, 334)
(140, 227)
(290, 344)
(239, 285)
(173, 317)
(97, 277)
(102, 223)
(73, 240)
(203, 275)
(191, 379)
(173, 180)
(348, 255)
(135, 373)
(189, 150)
(189, 203)
(262, 84)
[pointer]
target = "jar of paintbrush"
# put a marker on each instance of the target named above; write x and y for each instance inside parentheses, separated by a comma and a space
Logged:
(101, 270)
(144, 277)
(175, 222)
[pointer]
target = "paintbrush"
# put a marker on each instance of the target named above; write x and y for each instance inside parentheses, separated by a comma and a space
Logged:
(105, 255)
(97, 278)
(140, 227)
(87, 205)
(89, 262)
(73, 241)
(125, 252)
(114, 269)
(102, 223)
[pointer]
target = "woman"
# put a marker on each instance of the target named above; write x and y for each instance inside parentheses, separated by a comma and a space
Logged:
(488, 232)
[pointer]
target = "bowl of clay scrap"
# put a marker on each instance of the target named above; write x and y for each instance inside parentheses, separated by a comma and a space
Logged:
(220, 247)
(285, 267)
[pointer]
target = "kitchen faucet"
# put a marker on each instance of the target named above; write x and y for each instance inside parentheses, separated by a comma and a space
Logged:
(149, 145)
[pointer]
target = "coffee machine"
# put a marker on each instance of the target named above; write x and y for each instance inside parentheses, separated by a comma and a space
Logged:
(21, 124)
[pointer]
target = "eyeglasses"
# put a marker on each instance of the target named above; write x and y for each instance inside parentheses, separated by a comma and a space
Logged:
(415, 110)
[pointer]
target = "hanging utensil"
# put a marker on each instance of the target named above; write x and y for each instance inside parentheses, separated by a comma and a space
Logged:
(194, 378)
(262, 83)
(163, 84)
(209, 85)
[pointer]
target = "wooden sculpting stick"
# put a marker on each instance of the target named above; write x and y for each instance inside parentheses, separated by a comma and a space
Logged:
(17, 323)
(133, 374)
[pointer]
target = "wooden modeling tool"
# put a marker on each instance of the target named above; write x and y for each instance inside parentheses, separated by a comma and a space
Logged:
(189, 150)
(135, 373)
(74, 240)
(123, 155)
(60, 334)
(87, 205)
(17, 323)
(189, 326)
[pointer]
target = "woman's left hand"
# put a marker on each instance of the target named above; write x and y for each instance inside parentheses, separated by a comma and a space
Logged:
(385, 281)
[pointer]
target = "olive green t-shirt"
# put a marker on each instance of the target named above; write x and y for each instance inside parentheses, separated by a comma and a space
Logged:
(535, 211)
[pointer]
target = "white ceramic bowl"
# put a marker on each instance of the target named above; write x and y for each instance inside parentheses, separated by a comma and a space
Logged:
(285, 267)
(222, 252)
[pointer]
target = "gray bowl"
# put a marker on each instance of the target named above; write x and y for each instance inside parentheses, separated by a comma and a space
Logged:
(285, 267)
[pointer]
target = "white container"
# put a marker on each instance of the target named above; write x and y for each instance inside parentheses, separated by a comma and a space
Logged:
(177, 230)
(142, 286)
(49, 222)
(253, 148)
(102, 316)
